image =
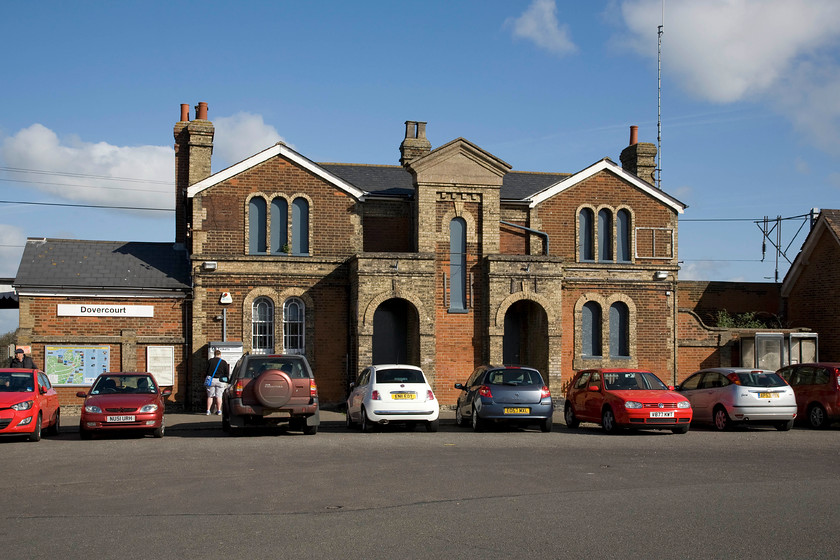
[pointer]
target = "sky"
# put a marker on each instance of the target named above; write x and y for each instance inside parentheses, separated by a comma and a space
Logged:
(750, 104)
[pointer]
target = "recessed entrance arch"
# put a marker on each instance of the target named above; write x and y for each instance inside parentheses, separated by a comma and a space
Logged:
(396, 333)
(525, 340)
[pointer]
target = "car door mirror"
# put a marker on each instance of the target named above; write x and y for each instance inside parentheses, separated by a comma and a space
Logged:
(352, 385)
(459, 386)
(81, 394)
(42, 389)
(594, 388)
(672, 388)
(166, 392)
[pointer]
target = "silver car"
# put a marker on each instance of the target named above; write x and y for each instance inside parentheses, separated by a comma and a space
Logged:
(727, 396)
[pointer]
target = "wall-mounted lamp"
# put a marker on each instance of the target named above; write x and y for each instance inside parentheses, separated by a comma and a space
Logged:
(395, 265)
(660, 275)
(217, 317)
(209, 265)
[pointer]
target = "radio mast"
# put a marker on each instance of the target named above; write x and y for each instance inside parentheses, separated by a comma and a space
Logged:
(660, 31)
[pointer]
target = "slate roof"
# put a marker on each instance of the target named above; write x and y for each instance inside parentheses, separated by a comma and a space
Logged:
(394, 180)
(828, 221)
(73, 263)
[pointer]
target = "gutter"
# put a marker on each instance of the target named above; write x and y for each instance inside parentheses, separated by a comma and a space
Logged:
(536, 232)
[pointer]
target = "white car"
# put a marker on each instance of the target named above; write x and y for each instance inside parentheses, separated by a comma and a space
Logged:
(726, 396)
(392, 393)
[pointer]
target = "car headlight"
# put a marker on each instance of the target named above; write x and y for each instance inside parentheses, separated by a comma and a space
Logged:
(632, 404)
(149, 408)
(683, 404)
(93, 409)
(25, 405)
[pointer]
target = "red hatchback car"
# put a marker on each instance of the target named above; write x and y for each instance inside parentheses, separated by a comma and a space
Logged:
(123, 401)
(624, 398)
(28, 403)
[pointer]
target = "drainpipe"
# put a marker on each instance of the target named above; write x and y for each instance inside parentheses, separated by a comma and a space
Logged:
(537, 232)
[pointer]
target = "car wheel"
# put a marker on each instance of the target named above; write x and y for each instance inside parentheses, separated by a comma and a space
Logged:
(545, 424)
(158, 432)
(36, 433)
(816, 417)
(785, 426)
(608, 422)
(680, 430)
(433, 425)
(83, 433)
(309, 430)
(225, 421)
(721, 418)
(367, 425)
(459, 416)
(477, 423)
(55, 429)
(569, 415)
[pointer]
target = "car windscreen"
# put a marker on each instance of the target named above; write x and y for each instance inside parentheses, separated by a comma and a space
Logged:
(514, 376)
(399, 376)
(759, 379)
(124, 384)
(632, 380)
(16, 383)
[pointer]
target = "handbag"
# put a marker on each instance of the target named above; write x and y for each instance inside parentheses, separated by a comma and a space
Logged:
(208, 381)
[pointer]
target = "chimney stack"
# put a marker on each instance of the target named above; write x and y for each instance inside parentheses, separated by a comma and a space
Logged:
(414, 145)
(193, 150)
(639, 158)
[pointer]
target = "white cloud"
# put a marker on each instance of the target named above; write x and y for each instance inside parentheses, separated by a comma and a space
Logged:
(777, 52)
(12, 240)
(241, 136)
(539, 24)
(74, 170)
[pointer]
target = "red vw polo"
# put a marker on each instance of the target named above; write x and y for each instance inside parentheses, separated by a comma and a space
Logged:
(123, 401)
(624, 398)
(28, 403)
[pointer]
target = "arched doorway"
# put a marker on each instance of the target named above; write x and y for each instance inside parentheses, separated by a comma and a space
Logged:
(396, 333)
(525, 339)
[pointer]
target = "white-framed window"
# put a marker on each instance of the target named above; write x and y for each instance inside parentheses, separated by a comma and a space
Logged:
(294, 326)
(262, 326)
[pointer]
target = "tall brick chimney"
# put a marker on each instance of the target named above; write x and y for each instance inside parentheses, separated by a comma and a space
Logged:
(193, 150)
(415, 144)
(639, 158)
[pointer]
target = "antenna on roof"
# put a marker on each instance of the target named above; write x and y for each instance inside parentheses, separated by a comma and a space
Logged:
(660, 31)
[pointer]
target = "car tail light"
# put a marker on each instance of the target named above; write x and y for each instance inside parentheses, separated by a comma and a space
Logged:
(313, 388)
(237, 388)
(837, 376)
(545, 392)
(375, 396)
(733, 377)
(484, 391)
(429, 395)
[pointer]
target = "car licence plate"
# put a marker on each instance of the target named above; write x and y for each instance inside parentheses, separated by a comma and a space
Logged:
(662, 414)
(399, 396)
(517, 410)
(119, 418)
(768, 395)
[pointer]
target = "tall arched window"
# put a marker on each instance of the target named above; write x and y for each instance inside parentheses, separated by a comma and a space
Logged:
(300, 226)
(622, 233)
(591, 329)
(279, 225)
(619, 330)
(262, 326)
(605, 235)
(294, 320)
(458, 265)
(256, 226)
(586, 233)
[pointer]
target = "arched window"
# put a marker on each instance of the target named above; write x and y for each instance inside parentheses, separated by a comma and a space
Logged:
(458, 265)
(622, 232)
(294, 319)
(300, 226)
(586, 233)
(605, 235)
(279, 225)
(591, 329)
(256, 226)
(262, 326)
(619, 330)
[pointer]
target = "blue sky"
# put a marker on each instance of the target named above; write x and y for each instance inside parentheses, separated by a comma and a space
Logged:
(750, 102)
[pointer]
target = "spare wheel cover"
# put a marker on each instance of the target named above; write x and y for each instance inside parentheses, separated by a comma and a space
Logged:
(273, 388)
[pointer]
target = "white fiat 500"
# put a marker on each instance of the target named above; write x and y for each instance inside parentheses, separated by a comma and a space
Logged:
(727, 396)
(392, 393)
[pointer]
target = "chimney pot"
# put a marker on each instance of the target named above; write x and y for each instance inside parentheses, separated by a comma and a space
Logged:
(185, 112)
(201, 111)
(634, 135)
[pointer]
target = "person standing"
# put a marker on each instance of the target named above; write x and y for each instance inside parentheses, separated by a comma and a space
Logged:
(21, 360)
(217, 373)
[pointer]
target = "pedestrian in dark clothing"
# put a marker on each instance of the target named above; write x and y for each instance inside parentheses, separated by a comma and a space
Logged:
(21, 360)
